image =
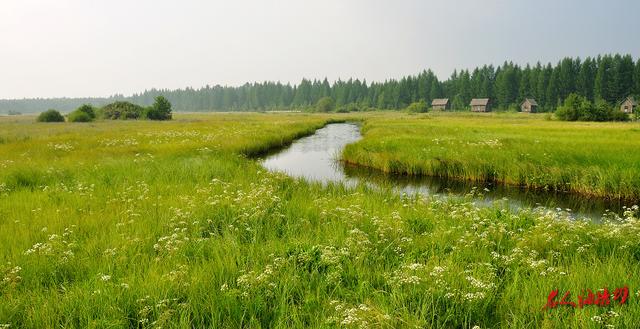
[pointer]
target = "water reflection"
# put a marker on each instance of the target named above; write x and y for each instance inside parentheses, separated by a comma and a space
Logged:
(315, 158)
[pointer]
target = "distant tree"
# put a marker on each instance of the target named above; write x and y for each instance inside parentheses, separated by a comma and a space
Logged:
(507, 85)
(458, 104)
(624, 72)
(50, 116)
(541, 87)
(525, 84)
(605, 87)
(553, 88)
(567, 73)
(586, 78)
(636, 79)
(160, 110)
(325, 104)
(436, 89)
(608, 77)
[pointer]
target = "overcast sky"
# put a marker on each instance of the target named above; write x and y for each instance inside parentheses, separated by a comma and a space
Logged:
(53, 48)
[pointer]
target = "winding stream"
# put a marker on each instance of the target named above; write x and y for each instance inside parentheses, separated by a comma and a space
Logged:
(315, 158)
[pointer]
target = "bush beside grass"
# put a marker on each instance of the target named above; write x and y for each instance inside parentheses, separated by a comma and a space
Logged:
(50, 116)
(160, 110)
(578, 108)
(84, 113)
(121, 111)
(76, 116)
(418, 107)
(325, 104)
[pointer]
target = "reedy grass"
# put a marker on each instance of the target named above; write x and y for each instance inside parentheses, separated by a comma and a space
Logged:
(148, 224)
(592, 159)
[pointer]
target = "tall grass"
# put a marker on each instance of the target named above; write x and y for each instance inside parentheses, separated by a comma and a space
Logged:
(597, 159)
(169, 224)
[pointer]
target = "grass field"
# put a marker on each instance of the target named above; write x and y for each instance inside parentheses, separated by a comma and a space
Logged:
(594, 159)
(169, 224)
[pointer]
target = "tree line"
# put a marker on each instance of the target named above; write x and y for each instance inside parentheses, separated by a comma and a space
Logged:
(609, 78)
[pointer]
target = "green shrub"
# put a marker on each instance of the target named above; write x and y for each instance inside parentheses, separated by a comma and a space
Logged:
(160, 110)
(619, 116)
(513, 108)
(351, 107)
(50, 116)
(578, 108)
(325, 104)
(84, 113)
(121, 110)
(79, 116)
(418, 107)
(88, 109)
(573, 108)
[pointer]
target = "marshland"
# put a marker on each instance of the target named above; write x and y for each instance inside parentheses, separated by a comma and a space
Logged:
(320, 164)
(178, 224)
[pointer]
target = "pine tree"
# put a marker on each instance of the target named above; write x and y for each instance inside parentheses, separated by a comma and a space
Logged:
(525, 84)
(637, 79)
(604, 81)
(624, 77)
(586, 78)
(552, 92)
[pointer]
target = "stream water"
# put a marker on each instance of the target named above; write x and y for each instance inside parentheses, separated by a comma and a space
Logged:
(315, 158)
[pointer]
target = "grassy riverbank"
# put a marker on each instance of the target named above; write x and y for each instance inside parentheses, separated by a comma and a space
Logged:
(168, 224)
(598, 159)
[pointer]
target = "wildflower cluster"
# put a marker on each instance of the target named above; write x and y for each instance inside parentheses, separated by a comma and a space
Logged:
(261, 283)
(606, 319)
(119, 142)
(178, 277)
(61, 247)
(361, 316)
(160, 313)
(4, 190)
(66, 147)
(10, 276)
(179, 235)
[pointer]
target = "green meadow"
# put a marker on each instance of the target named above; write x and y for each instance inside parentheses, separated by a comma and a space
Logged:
(530, 151)
(141, 224)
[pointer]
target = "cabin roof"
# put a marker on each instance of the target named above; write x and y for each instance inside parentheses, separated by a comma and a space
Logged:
(479, 101)
(440, 101)
(631, 100)
(531, 101)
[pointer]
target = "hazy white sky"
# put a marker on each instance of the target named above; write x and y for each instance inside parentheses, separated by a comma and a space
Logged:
(53, 48)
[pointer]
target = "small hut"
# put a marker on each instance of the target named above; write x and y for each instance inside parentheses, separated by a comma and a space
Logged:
(629, 105)
(529, 105)
(480, 105)
(440, 104)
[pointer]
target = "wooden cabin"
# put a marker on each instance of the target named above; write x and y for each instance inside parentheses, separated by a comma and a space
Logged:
(440, 104)
(529, 105)
(629, 105)
(480, 105)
